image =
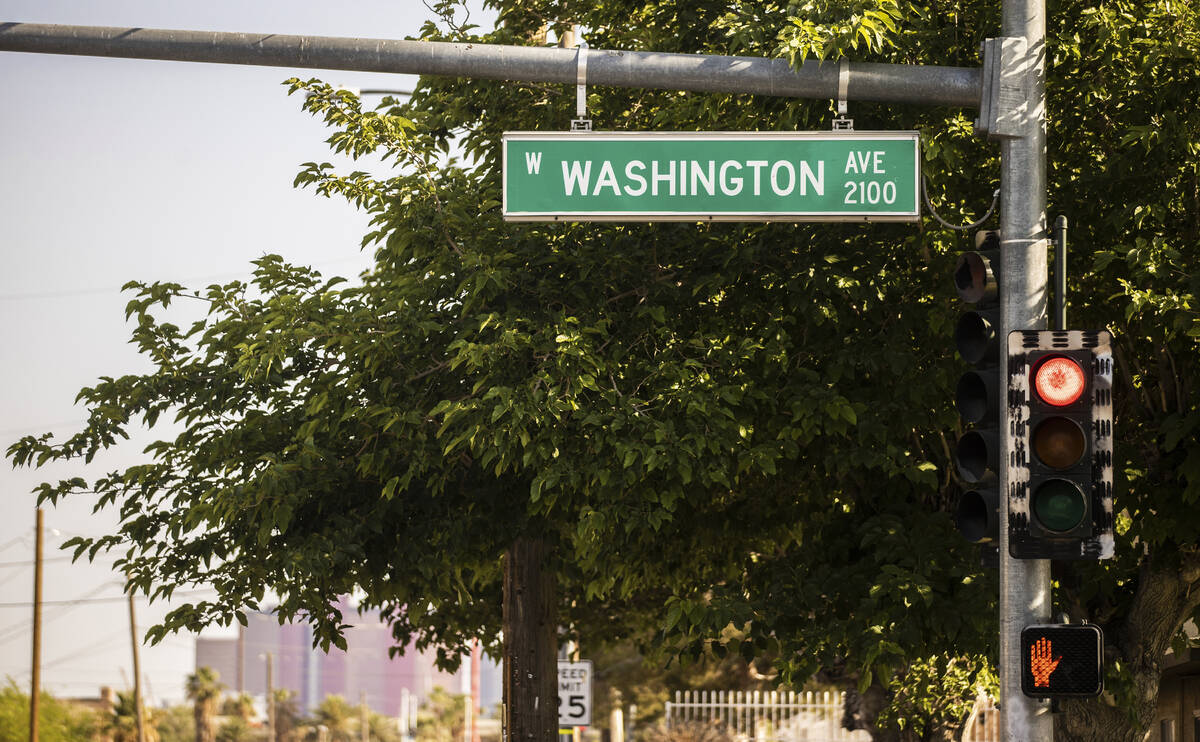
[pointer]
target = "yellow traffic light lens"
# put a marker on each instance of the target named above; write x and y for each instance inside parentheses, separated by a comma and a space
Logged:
(1058, 442)
(1059, 505)
(1059, 381)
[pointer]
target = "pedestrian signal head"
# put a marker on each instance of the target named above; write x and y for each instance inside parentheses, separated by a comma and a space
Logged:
(1062, 661)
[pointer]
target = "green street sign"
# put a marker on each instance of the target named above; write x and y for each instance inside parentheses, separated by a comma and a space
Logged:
(835, 176)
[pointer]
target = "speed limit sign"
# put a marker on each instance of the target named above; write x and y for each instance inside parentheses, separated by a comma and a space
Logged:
(574, 693)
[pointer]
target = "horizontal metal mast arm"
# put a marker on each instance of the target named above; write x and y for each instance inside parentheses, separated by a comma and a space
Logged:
(894, 83)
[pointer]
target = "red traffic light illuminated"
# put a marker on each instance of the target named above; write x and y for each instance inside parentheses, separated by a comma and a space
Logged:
(1059, 381)
(1062, 661)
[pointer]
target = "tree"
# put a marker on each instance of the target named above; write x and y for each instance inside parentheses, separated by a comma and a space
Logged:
(176, 724)
(57, 721)
(121, 724)
(287, 715)
(442, 717)
(383, 728)
(240, 705)
(336, 714)
(236, 729)
(204, 690)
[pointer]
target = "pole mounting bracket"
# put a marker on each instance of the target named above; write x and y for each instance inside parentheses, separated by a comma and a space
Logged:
(581, 122)
(842, 122)
(1003, 101)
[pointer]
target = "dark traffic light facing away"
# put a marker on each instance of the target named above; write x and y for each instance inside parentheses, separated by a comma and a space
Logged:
(978, 394)
(1060, 414)
(1062, 661)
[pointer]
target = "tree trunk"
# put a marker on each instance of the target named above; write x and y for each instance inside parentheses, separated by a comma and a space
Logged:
(530, 645)
(1166, 597)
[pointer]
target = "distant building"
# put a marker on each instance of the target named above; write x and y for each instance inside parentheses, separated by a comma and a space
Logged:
(221, 655)
(363, 670)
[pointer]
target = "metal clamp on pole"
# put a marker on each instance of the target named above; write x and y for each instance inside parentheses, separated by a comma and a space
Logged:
(842, 122)
(581, 122)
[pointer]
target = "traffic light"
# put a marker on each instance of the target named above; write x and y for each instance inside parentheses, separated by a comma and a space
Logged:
(1062, 661)
(977, 281)
(1060, 415)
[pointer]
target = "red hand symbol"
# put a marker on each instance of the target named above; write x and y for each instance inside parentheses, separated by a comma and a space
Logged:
(1042, 662)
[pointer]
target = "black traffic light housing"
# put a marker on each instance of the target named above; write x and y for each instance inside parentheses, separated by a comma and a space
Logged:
(977, 397)
(1062, 661)
(1060, 448)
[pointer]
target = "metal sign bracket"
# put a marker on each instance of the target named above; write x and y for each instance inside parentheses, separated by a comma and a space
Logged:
(842, 122)
(581, 122)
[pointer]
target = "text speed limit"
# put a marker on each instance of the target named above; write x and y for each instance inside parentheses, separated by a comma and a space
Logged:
(575, 693)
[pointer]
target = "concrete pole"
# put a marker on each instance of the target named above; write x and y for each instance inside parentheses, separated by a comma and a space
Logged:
(1024, 584)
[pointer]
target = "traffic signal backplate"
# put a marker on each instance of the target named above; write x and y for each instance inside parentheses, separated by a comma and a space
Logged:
(1060, 445)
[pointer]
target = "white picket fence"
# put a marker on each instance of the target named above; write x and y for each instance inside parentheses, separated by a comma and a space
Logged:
(774, 716)
(770, 716)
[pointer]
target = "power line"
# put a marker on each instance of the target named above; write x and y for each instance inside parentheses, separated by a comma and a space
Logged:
(108, 599)
(19, 629)
(31, 562)
(84, 291)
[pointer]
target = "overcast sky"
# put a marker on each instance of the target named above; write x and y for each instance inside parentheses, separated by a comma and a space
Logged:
(113, 170)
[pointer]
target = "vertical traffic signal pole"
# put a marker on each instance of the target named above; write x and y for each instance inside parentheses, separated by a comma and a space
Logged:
(1024, 584)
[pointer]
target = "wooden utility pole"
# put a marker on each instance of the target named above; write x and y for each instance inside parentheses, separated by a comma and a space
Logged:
(364, 720)
(270, 698)
(137, 671)
(530, 639)
(35, 689)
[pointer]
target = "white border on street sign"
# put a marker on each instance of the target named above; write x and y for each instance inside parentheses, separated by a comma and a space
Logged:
(694, 216)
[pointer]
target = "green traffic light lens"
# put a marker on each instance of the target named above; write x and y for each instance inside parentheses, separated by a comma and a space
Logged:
(1059, 505)
(1059, 442)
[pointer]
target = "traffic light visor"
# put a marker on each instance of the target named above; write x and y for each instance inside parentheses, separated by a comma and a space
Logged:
(1059, 381)
(976, 516)
(974, 279)
(976, 455)
(975, 337)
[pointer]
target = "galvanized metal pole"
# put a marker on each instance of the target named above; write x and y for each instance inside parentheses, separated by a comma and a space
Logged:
(1060, 273)
(1024, 584)
(898, 83)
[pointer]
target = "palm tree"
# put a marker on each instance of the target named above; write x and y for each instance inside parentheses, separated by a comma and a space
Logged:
(121, 725)
(241, 706)
(338, 715)
(287, 715)
(204, 688)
